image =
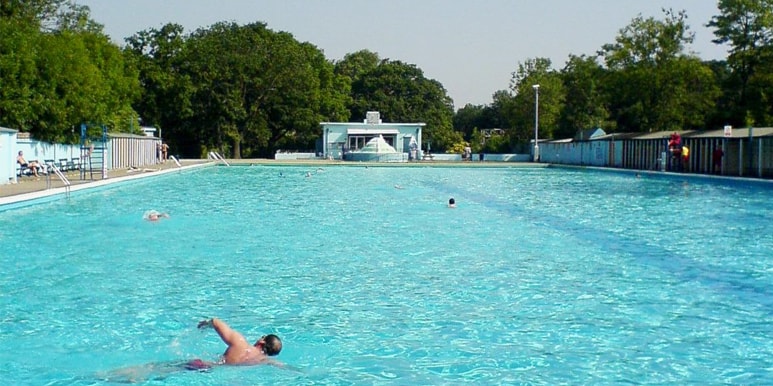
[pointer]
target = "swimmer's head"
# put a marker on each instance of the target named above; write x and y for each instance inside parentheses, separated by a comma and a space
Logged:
(270, 344)
(451, 201)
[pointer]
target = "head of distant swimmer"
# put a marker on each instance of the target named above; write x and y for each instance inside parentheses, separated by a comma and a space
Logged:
(270, 344)
(451, 201)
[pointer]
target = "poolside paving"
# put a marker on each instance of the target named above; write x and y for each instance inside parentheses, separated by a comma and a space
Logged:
(31, 184)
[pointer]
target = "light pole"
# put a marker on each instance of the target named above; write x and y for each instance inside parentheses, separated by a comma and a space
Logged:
(536, 122)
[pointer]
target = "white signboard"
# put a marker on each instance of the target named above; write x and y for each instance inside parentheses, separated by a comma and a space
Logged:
(728, 131)
(372, 118)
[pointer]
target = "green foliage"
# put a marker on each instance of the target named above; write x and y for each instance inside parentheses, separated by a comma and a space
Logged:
(497, 144)
(356, 64)
(471, 116)
(18, 76)
(457, 147)
(477, 140)
(246, 90)
(747, 26)
(523, 107)
(241, 90)
(585, 104)
(53, 81)
(653, 84)
(401, 93)
(166, 92)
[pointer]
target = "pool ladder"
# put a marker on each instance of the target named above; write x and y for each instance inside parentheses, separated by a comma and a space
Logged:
(61, 176)
(217, 157)
(175, 161)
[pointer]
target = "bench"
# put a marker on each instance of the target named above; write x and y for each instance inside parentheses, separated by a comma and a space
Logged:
(22, 171)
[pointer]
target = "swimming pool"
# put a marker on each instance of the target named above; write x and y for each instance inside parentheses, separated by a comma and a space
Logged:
(539, 276)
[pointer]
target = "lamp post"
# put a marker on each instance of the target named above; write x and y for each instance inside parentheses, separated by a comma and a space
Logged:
(536, 122)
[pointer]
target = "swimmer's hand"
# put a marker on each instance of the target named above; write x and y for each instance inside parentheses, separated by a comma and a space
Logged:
(205, 324)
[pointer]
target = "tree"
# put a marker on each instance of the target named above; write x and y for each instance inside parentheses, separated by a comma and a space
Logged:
(165, 100)
(356, 64)
(521, 113)
(747, 25)
(401, 93)
(241, 90)
(470, 117)
(81, 78)
(18, 42)
(653, 83)
(56, 78)
(585, 103)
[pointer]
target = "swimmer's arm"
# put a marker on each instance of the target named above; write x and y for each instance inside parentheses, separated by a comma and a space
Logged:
(227, 334)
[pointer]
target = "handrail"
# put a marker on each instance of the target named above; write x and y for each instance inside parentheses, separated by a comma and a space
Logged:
(217, 156)
(175, 161)
(63, 178)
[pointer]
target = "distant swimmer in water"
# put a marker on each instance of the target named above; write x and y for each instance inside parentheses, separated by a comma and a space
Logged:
(451, 203)
(308, 174)
(153, 215)
(398, 186)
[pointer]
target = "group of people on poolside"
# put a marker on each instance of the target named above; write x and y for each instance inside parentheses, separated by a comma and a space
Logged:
(680, 154)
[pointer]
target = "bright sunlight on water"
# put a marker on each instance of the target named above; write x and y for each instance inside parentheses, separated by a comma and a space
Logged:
(538, 276)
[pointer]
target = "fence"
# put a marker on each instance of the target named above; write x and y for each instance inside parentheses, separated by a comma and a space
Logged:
(747, 152)
(128, 150)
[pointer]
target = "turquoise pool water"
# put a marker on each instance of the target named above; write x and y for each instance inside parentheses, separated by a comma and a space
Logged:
(539, 276)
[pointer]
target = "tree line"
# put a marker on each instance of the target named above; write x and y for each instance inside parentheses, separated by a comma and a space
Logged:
(246, 90)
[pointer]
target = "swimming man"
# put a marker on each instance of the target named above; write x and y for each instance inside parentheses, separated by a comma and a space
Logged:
(239, 351)
(153, 215)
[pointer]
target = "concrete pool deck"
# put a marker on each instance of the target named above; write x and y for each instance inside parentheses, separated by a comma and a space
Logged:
(29, 188)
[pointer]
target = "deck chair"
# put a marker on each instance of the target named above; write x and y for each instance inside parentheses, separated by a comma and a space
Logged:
(63, 164)
(22, 171)
(75, 164)
(50, 164)
(26, 170)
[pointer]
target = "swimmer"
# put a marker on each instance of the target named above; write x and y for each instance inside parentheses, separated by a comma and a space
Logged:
(239, 351)
(451, 203)
(153, 215)
(308, 174)
(398, 187)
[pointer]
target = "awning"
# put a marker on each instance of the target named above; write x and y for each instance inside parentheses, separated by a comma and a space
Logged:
(372, 131)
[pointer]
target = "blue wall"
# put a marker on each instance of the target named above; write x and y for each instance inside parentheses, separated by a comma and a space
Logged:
(7, 155)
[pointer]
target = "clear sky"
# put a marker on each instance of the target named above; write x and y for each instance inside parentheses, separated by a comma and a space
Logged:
(471, 47)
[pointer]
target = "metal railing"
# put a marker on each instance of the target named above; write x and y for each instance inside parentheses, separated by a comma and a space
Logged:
(217, 157)
(61, 176)
(175, 161)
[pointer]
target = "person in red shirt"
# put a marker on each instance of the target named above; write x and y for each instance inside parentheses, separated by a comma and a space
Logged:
(716, 157)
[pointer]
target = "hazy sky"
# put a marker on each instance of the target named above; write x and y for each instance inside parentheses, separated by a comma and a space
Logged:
(471, 47)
